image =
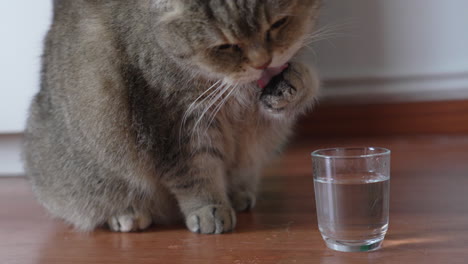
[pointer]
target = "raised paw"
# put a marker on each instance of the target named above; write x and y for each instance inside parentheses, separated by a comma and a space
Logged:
(212, 219)
(278, 95)
(130, 222)
(243, 200)
(291, 90)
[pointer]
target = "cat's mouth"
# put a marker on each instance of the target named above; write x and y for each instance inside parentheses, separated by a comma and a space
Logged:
(269, 73)
(257, 77)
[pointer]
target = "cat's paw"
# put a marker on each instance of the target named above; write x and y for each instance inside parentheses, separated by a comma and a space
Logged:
(212, 219)
(243, 200)
(130, 222)
(292, 90)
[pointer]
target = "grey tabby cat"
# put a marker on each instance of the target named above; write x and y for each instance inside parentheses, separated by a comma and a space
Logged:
(150, 112)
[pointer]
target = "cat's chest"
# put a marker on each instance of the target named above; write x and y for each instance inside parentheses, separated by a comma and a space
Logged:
(249, 137)
(244, 101)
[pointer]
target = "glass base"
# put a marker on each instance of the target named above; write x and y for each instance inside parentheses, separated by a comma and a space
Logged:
(347, 246)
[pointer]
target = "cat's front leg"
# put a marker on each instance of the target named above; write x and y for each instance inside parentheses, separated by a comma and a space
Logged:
(243, 185)
(198, 183)
(292, 92)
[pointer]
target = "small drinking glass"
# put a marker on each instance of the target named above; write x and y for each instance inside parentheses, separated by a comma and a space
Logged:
(352, 196)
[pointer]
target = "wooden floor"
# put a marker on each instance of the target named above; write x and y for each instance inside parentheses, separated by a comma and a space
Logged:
(428, 218)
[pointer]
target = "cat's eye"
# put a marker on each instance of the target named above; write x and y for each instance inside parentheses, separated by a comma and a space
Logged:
(227, 47)
(279, 23)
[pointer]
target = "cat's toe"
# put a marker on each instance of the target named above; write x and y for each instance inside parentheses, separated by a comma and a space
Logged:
(129, 222)
(212, 219)
(278, 97)
(243, 200)
(291, 92)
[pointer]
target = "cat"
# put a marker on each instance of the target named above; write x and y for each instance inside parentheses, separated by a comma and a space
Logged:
(152, 111)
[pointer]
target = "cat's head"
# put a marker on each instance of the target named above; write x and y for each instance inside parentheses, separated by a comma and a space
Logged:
(234, 40)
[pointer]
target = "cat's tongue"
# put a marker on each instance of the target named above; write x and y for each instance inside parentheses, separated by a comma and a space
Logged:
(269, 73)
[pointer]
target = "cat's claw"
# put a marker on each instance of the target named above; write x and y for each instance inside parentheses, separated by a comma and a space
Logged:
(212, 219)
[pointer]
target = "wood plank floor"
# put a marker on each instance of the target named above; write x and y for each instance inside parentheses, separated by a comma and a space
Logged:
(428, 218)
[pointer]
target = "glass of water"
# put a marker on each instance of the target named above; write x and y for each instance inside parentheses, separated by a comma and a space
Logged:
(352, 196)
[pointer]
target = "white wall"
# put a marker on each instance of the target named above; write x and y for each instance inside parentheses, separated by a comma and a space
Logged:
(23, 24)
(417, 50)
(395, 38)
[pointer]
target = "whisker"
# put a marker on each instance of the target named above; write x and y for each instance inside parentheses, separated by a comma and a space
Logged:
(215, 96)
(191, 108)
(233, 88)
(311, 49)
(198, 98)
(327, 33)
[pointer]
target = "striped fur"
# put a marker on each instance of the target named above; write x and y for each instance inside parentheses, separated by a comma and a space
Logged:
(143, 115)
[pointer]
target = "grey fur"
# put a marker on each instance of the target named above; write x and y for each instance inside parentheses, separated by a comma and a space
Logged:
(111, 137)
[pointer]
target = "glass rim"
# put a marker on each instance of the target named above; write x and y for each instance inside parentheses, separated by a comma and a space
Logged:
(381, 152)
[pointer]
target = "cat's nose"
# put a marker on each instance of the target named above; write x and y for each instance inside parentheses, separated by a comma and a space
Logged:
(259, 58)
(264, 66)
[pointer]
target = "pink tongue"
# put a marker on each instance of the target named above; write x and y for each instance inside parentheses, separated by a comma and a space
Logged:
(269, 73)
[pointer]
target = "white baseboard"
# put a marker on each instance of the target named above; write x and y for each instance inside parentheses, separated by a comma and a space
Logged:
(10, 149)
(399, 89)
